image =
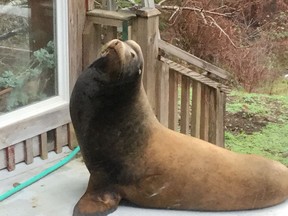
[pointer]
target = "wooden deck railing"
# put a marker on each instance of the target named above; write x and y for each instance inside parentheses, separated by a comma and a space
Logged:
(182, 99)
(195, 102)
(40, 145)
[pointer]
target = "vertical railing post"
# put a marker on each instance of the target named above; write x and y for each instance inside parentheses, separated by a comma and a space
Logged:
(196, 109)
(173, 100)
(89, 5)
(162, 92)
(204, 124)
(212, 116)
(185, 104)
(220, 118)
(145, 33)
(77, 17)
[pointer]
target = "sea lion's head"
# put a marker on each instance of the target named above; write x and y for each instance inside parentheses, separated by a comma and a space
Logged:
(121, 61)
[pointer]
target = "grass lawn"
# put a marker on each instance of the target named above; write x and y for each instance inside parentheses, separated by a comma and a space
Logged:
(258, 124)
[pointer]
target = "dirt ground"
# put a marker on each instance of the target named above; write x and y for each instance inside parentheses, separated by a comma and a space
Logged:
(247, 122)
(243, 122)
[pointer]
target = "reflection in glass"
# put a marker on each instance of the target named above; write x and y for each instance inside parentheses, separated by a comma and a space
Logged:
(27, 53)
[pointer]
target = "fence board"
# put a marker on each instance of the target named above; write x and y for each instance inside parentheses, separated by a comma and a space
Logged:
(204, 125)
(19, 149)
(77, 17)
(111, 17)
(61, 138)
(10, 155)
(89, 5)
(43, 146)
(177, 52)
(173, 100)
(212, 116)
(220, 118)
(196, 109)
(162, 92)
(196, 76)
(28, 151)
(185, 105)
(91, 43)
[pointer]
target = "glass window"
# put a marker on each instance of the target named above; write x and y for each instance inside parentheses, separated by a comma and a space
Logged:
(27, 53)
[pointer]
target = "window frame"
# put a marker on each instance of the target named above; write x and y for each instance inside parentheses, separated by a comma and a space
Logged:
(38, 118)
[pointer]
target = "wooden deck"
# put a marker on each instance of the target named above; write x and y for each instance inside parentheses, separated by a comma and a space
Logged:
(57, 194)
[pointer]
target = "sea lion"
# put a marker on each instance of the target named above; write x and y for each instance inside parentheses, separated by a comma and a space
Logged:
(131, 156)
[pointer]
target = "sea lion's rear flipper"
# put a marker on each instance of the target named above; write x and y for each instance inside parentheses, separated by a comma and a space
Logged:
(98, 203)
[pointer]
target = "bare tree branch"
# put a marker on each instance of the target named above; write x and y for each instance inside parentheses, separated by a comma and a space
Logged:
(165, 7)
(204, 18)
(175, 12)
(222, 30)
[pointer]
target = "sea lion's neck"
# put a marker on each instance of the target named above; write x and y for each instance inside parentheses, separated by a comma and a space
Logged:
(121, 109)
(118, 127)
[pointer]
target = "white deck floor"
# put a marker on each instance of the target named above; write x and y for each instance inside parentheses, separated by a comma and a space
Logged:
(57, 193)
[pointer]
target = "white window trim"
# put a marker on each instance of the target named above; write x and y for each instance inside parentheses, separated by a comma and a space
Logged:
(35, 119)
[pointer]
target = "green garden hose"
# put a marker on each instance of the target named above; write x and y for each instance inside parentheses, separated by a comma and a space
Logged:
(39, 176)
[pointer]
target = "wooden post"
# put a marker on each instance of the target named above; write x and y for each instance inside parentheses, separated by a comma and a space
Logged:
(89, 5)
(144, 32)
(220, 118)
(91, 42)
(43, 146)
(77, 16)
(61, 138)
(173, 100)
(29, 151)
(185, 105)
(10, 155)
(212, 116)
(204, 125)
(162, 92)
(196, 109)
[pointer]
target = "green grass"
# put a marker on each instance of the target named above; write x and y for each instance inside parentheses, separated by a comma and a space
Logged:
(260, 104)
(272, 140)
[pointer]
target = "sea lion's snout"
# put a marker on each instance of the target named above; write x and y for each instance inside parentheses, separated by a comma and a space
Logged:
(129, 55)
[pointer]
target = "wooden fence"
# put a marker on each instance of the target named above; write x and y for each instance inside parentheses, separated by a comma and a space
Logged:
(40, 145)
(194, 102)
(182, 99)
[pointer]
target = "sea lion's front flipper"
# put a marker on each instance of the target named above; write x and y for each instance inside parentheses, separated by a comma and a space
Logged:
(98, 203)
(99, 199)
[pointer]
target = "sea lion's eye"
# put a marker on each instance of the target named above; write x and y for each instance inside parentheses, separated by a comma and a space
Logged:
(132, 54)
(140, 71)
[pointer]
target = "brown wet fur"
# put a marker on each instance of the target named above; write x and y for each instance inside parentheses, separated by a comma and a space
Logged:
(141, 161)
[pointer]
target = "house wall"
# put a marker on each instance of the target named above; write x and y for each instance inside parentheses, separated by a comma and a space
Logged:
(52, 129)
